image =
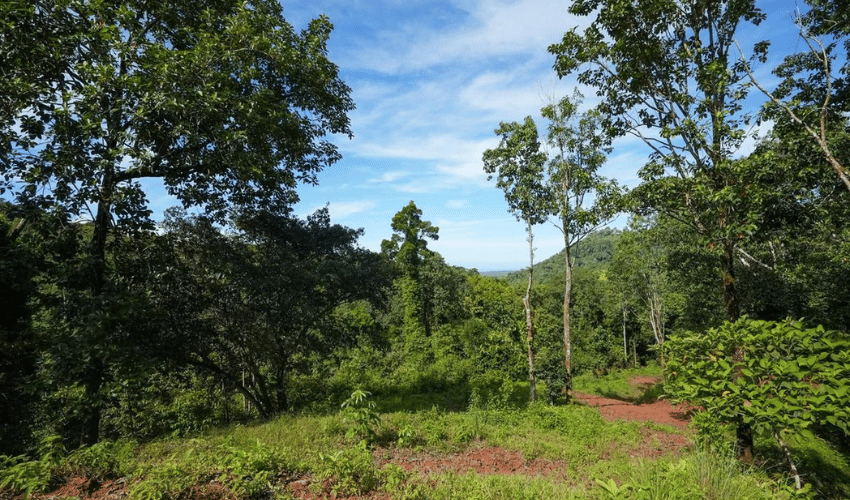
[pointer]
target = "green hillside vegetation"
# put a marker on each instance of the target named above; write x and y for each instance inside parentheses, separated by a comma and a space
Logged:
(594, 252)
(235, 350)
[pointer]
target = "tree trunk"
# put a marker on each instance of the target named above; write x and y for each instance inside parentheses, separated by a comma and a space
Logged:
(743, 431)
(625, 345)
(95, 371)
(568, 290)
(529, 320)
(93, 381)
(280, 381)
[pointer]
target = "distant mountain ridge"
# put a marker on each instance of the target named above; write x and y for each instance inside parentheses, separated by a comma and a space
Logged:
(595, 250)
(495, 274)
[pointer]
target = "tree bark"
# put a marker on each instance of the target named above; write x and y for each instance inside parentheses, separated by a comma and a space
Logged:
(95, 371)
(625, 345)
(743, 431)
(529, 319)
(568, 290)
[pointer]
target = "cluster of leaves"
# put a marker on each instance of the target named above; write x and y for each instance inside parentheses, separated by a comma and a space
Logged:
(28, 476)
(790, 378)
(360, 412)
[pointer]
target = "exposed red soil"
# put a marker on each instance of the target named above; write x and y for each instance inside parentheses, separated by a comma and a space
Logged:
(661, 411)
(483, 460)
(81, 487)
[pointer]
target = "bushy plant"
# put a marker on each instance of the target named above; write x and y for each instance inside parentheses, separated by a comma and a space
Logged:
(778, 377)
(103, 460)
(251, 470)
(348, 472)
(359, 412)
(26, 476)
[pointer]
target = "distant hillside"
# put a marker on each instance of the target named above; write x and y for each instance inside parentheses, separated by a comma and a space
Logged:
(495, 274)
(595, 250)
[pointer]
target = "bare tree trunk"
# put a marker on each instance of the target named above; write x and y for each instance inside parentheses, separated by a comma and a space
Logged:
(568, 290)
(656, 314)
(790, 459)
(625, 345)
(743, 431)
(529, 320)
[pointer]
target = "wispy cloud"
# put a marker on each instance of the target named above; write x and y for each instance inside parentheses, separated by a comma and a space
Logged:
(390, 176)
(343, 209)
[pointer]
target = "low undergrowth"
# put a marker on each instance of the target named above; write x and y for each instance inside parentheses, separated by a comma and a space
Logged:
(338, 454)
(617, 384)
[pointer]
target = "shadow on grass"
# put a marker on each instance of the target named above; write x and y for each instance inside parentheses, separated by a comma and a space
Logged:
(824, 467)
(457, 398)
(650, 394)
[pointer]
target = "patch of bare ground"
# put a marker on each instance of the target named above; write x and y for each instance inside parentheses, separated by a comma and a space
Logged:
(484, 460)
(661, 411)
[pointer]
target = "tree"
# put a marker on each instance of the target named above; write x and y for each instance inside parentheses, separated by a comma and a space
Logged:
(795, 379)
(641, 264)
(518, 166)
(795, 263)
(665, 74)
(580, 150)
(408, 247)
(813, 94)
(224, 103)
(255, 301)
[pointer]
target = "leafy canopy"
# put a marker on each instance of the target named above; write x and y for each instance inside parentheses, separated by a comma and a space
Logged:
(224, 102)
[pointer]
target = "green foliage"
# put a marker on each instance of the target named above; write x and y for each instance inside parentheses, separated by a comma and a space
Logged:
(789, 379)
(359, 412)
(103, 460)
(28, 476)
(517, 163)
(712, 434)
(471, 486)
(408, 249)
(350, 471)
(251, 471)
(702, 475)
(172, 473)
(107, 94)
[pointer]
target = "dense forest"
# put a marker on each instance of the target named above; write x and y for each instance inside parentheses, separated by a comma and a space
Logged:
(732, 272)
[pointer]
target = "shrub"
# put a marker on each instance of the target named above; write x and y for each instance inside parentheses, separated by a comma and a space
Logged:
(789, 377)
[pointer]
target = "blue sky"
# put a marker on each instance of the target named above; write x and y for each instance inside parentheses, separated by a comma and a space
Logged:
(432, 80)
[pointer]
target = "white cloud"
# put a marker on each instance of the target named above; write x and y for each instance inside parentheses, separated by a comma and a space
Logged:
(343, 209)
(457, 204)
(496, 28)
(391, 176)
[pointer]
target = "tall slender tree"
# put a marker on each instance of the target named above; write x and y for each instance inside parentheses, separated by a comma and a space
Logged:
(584, 200)
(518, 165)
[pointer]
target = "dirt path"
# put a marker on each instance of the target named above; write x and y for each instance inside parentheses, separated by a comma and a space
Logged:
(661, 412)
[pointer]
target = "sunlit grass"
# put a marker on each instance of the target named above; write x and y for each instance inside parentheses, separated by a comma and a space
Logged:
(598, 458)
(616, 384)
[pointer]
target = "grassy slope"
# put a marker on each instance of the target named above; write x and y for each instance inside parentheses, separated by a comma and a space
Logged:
(253, 461)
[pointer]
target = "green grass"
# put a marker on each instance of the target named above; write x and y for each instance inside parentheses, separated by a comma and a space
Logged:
(596, 455)
(616, 384)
